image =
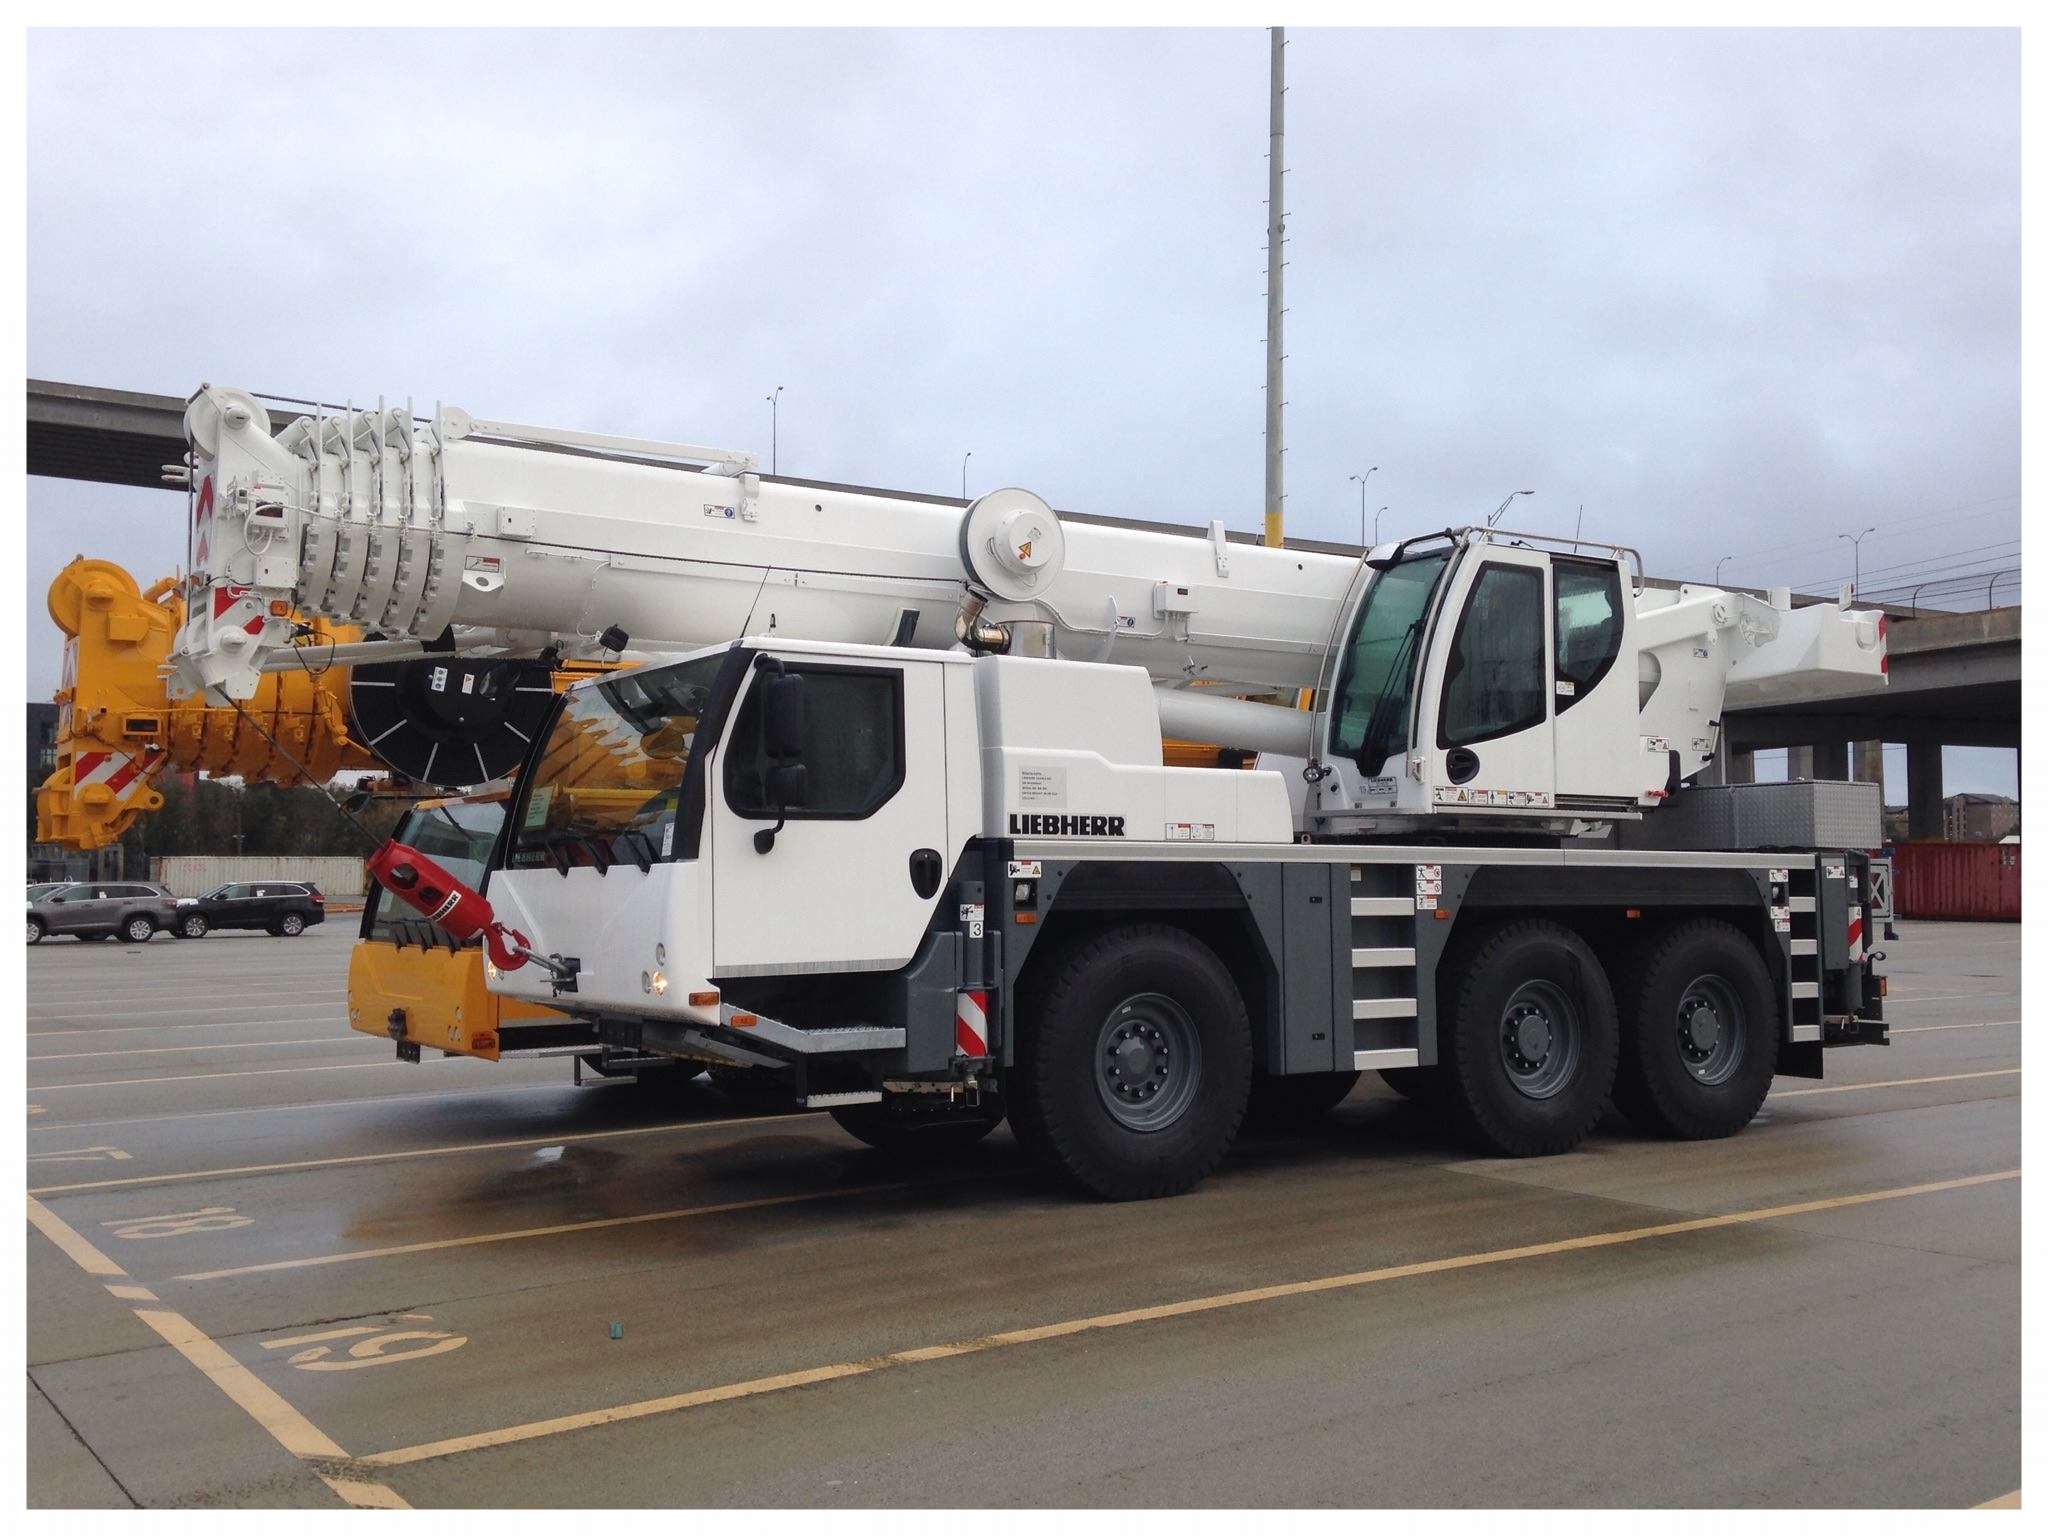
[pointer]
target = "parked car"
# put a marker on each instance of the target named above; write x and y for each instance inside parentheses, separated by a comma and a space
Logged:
(100, 909)
(286, 907)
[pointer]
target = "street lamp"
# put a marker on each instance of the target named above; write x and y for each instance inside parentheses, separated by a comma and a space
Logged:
(1511, 495)
(1361, 479)
(1856, 540)
(774, 426)
(963, 474)
(1376, 525)
(1717, 568)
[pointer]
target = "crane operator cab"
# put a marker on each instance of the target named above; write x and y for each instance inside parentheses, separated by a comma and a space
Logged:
(1485, 678)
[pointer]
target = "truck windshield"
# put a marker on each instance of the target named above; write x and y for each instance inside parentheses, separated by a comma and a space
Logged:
(1377, 681)
(609, 779)
(457, 834)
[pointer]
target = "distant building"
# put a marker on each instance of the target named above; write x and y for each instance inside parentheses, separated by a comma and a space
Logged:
(42, 742)
(1979, 818)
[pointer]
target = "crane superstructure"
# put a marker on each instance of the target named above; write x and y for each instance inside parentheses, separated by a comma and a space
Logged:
(889, 812)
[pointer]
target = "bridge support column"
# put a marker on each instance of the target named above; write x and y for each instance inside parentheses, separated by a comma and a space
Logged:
(1730, 767)
(1831, 760)
(1923, 791)
(1869, 762)
(1798, 762)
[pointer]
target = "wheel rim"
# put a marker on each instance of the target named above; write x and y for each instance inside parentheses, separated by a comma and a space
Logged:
(292, 925)
(34, 933)
(137, 932)
(1711, 1029)
(1148, 1062)
(1541, 1037)
(195, 927)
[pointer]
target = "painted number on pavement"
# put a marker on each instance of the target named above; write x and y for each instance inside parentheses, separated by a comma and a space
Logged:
(212, 1218)
(373, 1346)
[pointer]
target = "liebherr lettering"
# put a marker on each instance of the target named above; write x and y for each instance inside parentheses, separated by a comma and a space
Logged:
(1027, 825)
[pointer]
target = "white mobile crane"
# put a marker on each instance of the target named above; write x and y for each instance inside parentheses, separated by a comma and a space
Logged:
(893, 817)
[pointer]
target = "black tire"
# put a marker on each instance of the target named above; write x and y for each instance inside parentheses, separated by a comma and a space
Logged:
(1699, 1041)
(35, 930)
(899, 1126)
(1530, 1040)
(290, 926)
(1099, 1021)
(1289, 1103)
(137, 929)
(191, 926)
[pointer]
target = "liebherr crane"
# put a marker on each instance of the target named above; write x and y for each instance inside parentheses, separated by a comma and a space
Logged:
(888, 813)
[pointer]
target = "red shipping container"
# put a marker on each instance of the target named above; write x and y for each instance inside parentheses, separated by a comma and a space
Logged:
(1975, 881)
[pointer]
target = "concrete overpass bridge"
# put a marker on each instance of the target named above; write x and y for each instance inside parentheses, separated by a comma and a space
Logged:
(1955, 678)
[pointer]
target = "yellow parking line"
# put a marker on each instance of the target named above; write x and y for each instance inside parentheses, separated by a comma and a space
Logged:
(1896, 1082)
(201, 1077)
(1928, 1029)
(437, 1245)
(765, 1384)
(392, 1157)
(276, 1417)
(232, 1045)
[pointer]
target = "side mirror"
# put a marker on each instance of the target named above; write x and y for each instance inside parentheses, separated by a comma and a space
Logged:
(782, 716)
(789, 785)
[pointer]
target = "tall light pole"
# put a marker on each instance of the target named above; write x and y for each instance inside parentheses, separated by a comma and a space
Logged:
(774, 429)
(1856, 540)
(1376, 525)
(1361, 479)
(1276, 236)
(1717, 568)
(1511, 495)
(963, 474)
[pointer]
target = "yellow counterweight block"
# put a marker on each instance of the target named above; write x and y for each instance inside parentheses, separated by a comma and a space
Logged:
(118, 729)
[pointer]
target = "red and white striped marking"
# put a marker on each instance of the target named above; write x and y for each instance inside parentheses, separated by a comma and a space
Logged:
(116, 770)
(970, 1023)
(1855, 938)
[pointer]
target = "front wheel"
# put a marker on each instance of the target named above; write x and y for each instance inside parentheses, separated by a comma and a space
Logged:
(1134, 1061)
(192, 926)
(1531, 1041)
(898, 1124)
(138, 930)
(1699, 1043)
(35, 930)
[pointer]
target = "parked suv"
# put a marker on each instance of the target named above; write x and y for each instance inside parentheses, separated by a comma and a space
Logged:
(100, 909)
(287, 907)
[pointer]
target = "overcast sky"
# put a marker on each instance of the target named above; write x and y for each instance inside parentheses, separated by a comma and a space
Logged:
(1735, 292)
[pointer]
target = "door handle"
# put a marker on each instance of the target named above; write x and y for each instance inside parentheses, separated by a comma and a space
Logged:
(1462, 764)
(926, 871)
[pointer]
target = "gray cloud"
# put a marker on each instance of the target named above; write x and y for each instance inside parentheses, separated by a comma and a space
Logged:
(1733, 291)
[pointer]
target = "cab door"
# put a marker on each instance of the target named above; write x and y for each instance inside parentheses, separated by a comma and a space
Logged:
(1486, 716)
(851, 879)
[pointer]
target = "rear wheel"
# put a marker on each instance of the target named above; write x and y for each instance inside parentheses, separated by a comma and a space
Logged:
(291, 925)
(1283, 1103)
(1134, 1061)
(898, 1124)
(191, 926)
(1531, 1039)
(35, 930)
(138, 929)
(1700, 1035)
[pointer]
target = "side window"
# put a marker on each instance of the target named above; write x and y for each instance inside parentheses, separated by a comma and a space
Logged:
(1495, 682)
(1588, 623)
(853, 746)
(78, 893)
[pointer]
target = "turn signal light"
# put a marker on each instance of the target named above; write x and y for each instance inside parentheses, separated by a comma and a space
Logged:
(279, 608)
(703, 999)
(1884, 986)
(745, 1020)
